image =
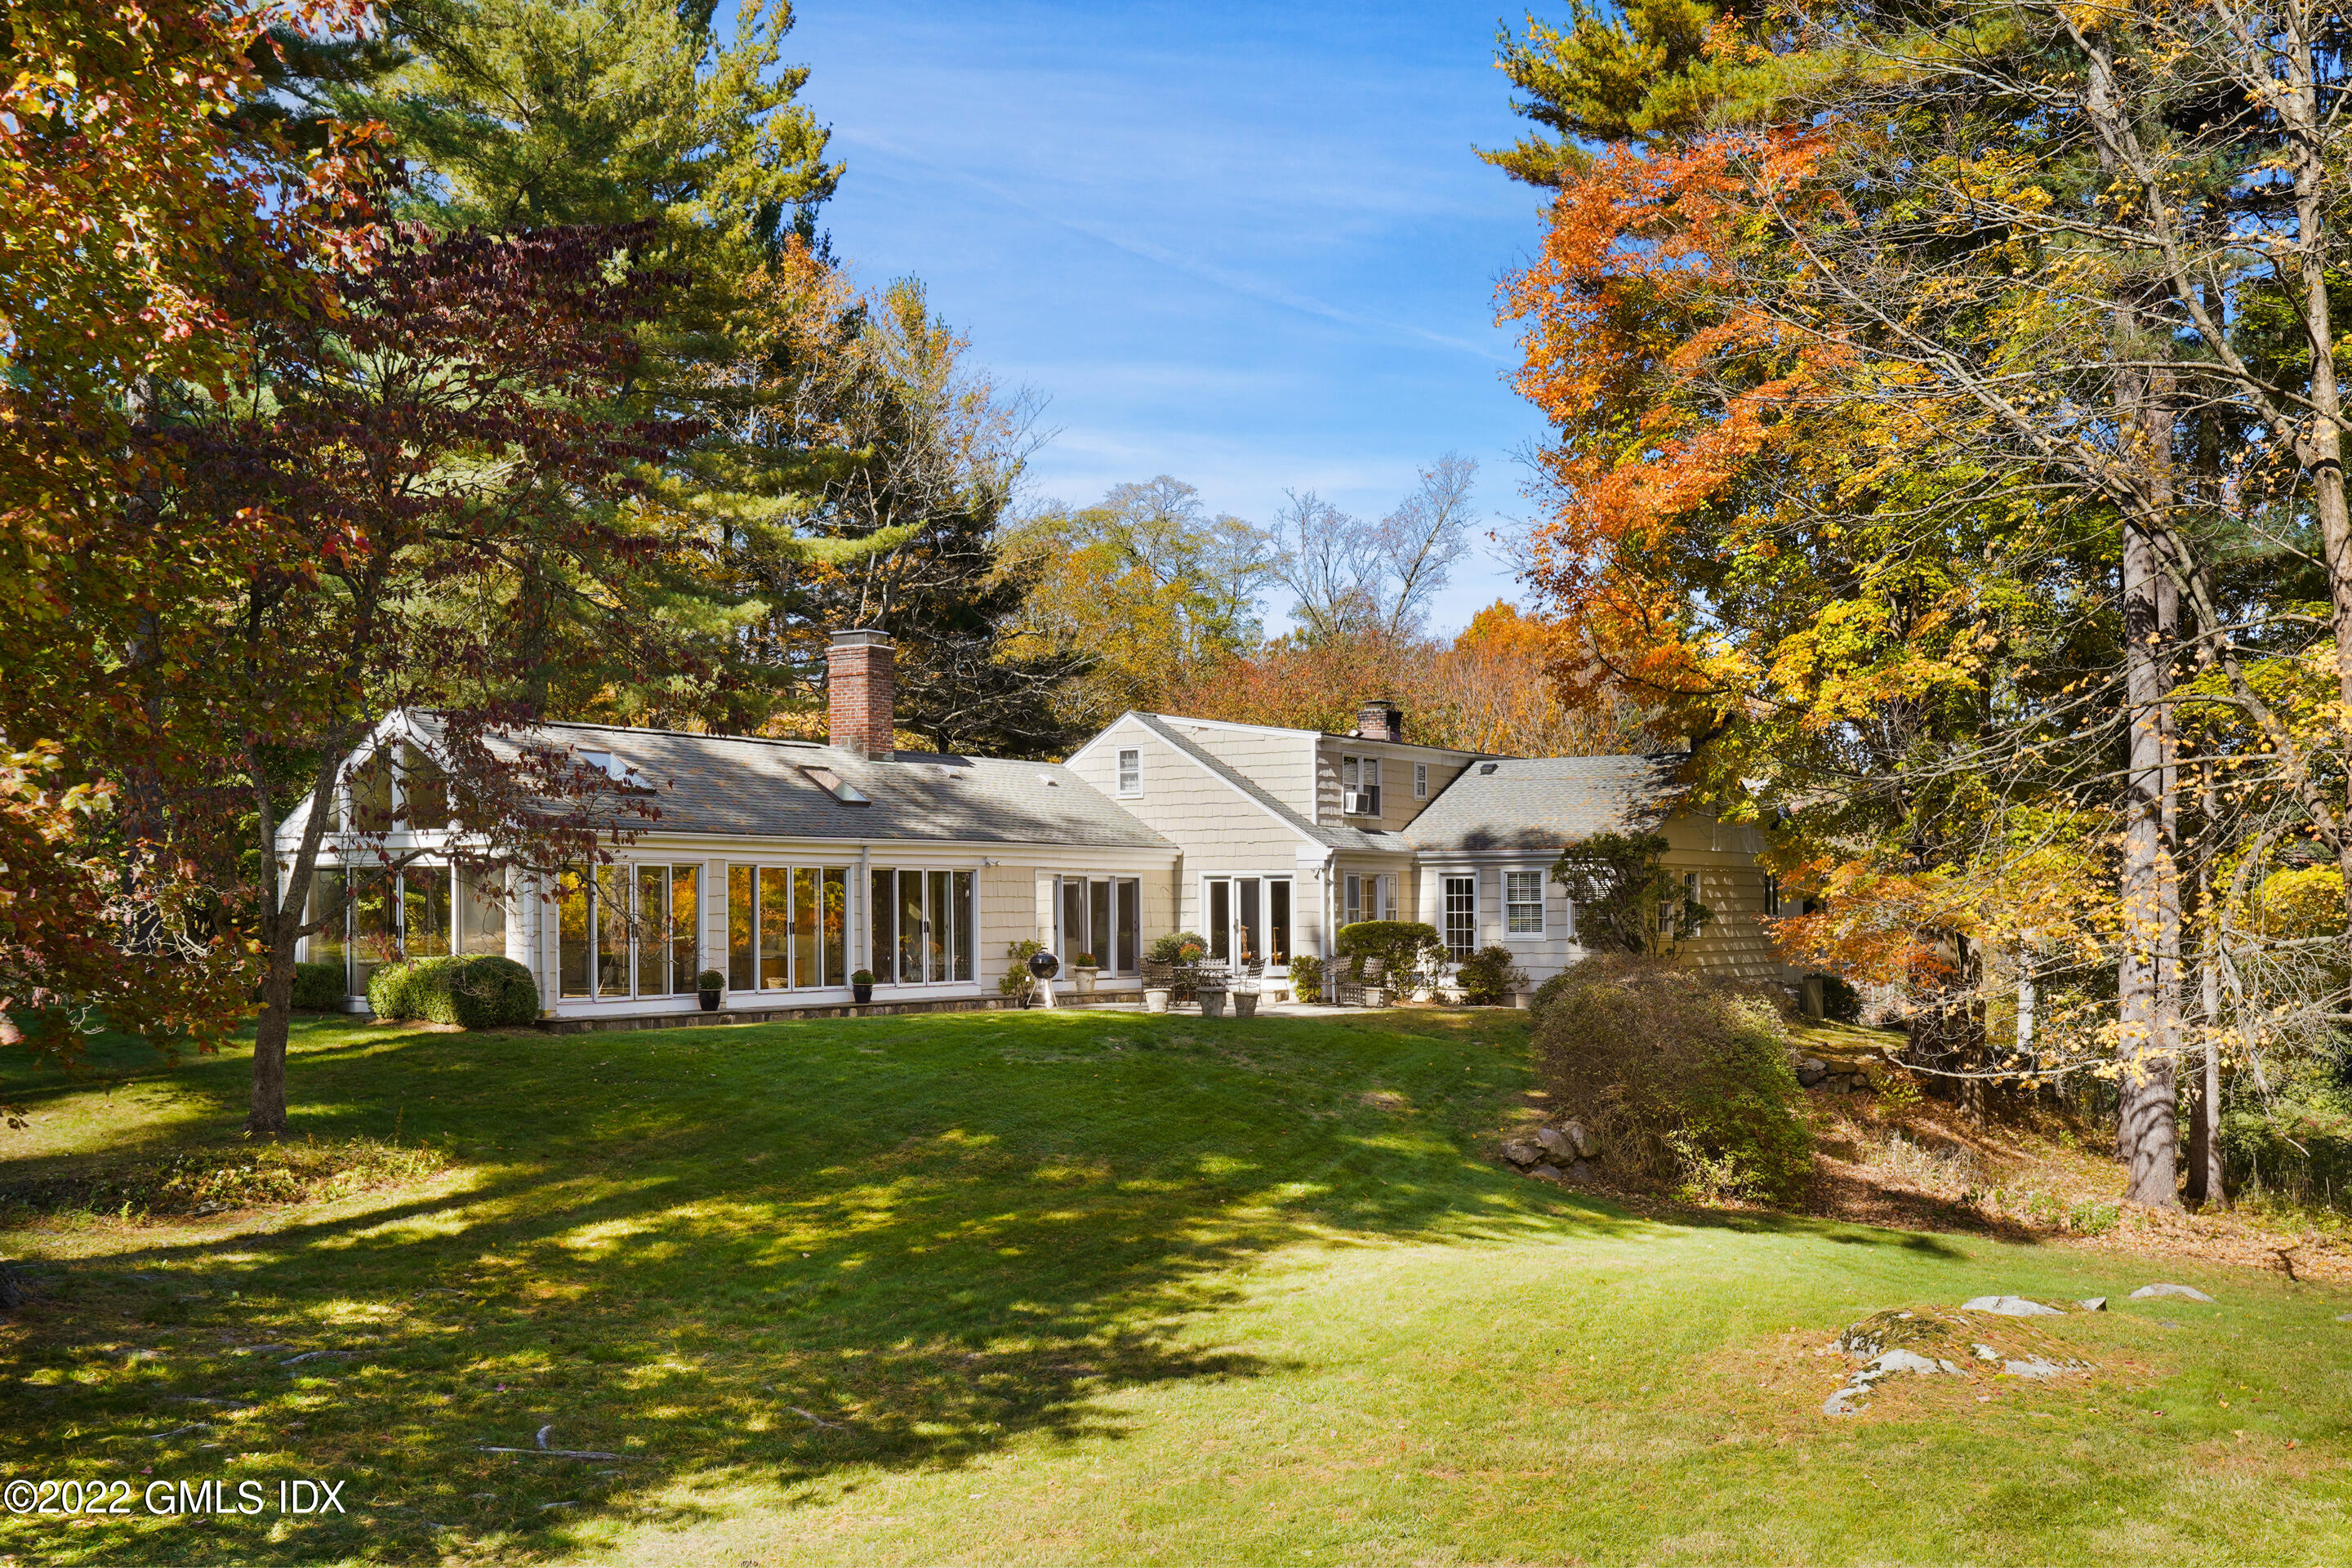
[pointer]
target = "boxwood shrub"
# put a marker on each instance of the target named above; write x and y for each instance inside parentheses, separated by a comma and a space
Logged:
(475, 991)
(319, 986)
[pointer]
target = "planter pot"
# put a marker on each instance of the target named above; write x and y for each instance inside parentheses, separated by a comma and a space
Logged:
(1155, 1001)
(1244, 1005)
(1085, 979)
(1212, 1004)
(861, 995)
(709, 1000)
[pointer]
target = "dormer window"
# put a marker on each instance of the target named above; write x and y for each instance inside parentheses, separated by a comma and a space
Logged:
(1360, 785)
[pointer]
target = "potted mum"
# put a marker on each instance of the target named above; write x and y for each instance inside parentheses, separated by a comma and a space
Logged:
(861, 985)
(1086, 966)
(709, 986)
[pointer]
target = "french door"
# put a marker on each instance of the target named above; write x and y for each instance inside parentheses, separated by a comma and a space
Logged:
(1247, 920)
(787, 927)
(1461, 915)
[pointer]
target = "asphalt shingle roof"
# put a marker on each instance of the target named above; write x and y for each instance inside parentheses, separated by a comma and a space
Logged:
(1349, 839)
(758, 788)
(1545, 803)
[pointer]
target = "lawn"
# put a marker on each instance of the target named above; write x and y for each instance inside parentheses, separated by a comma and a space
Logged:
(1064, 1288)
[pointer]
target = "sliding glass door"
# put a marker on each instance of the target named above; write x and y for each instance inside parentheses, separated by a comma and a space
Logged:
(628, 931)
(787, 927)
(1099, 918)
(922, 926)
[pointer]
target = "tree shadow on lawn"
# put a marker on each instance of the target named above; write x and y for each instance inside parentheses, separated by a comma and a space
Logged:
(793, 1254)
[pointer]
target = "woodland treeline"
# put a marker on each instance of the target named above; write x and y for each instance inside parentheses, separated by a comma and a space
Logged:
(1949, 432)
(488, 357)
(1946, 438)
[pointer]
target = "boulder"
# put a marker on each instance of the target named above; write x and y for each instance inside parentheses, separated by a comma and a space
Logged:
(2033, 1367)
(2190, 1292)
(2092, 1303)
(1884, 1365)
(1583, 1170)
(1523, 1152)
(1585, 1144)
(1811, 1070)
(1545, 1174)
(1555, 1141)
(2010, 1307)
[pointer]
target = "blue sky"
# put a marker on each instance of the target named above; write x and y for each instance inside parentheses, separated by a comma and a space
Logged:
(1246, 245)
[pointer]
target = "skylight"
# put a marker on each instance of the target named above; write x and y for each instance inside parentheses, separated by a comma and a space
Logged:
(838, 787)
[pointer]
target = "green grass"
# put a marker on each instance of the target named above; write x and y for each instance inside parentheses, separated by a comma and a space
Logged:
(1061, 1288)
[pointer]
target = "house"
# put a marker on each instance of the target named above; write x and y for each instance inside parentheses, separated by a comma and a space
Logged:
(788, 865)
(1289, 835)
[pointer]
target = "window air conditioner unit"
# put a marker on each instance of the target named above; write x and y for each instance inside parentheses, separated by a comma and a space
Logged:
(1361, 801)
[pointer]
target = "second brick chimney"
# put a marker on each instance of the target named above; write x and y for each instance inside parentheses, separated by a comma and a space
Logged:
(1379, 720)
(860, 676)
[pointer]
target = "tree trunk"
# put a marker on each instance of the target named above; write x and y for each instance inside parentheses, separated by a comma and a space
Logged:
(267, 1116)
(2146, 1124)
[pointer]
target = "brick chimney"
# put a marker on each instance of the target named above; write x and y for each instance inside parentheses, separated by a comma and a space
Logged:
(859, 678)
(1379, 720)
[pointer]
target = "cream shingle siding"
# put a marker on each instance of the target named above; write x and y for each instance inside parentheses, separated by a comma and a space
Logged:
(1397, 808)
(1279, 761)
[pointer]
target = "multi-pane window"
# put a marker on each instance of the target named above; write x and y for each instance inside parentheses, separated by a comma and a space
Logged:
(1420, 781)
(1360, 785)
(1771, 895)
(1099, 918)
(787, 927)
(1461, 910)
(1370, 898)
(629, 930)
(1130, 770)
(921, 926)
(1523, 909)
(373, 915)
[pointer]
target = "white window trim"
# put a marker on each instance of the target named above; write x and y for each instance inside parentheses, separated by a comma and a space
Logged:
(1126, 790)
(1420, 781)
(1543, 915)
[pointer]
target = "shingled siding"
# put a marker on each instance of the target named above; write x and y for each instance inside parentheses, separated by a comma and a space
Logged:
(1398, 806)
(1731, 884)
(1279, 761)
(1223, 831)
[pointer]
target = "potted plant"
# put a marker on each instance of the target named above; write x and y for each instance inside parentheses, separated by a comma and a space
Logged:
(710, 986)
(861, 987)
(1085, 967)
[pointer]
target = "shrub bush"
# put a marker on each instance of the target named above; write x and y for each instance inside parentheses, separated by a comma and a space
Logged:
(1488, 976)
(1684, 1078)
(1410, 950)
(474, 991)
(1016, 980)
(1546, 994)
(319, 986)
(1179, 947)
(1307, 978)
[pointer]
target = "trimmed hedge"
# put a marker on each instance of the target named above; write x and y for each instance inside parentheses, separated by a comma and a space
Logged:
(318, 988)
(477, 991)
